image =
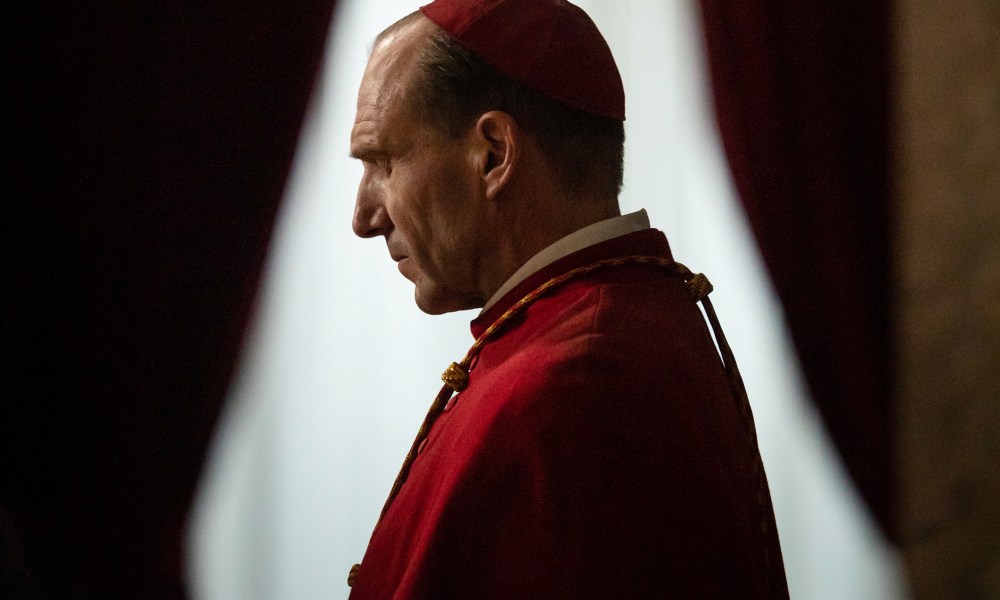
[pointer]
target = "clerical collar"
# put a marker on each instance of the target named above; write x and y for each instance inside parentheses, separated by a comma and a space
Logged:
(578, 240)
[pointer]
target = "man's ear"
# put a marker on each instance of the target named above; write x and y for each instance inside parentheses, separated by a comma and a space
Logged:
(499, 140)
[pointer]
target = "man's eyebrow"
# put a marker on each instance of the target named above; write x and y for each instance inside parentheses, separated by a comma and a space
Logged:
(366, 153)
(367, 145)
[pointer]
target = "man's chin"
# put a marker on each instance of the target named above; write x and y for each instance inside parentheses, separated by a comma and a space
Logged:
(439, 302)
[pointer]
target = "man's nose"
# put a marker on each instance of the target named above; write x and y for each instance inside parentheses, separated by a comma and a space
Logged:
(370, 217)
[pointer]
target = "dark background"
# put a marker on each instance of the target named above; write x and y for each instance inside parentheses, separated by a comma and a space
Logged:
(148, 148)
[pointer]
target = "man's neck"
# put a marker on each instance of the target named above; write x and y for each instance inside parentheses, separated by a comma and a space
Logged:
(535, 227)
(578, 239)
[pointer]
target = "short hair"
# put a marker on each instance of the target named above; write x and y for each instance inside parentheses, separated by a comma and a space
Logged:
(453, 87)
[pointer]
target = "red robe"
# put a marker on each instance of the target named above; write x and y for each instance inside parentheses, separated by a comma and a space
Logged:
(596, 453)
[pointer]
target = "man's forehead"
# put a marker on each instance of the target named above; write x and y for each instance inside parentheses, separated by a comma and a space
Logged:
(372, 97)
(397, 48)
(383, 90)
(390, 64)
(378, 101)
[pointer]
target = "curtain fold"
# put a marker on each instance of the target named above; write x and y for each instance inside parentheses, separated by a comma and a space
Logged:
(152, 142)
(801, 90)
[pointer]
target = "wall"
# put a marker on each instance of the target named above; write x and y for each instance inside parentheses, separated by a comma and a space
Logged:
(948, 302)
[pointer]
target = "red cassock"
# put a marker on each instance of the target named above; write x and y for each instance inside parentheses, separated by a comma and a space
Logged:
(597, 452)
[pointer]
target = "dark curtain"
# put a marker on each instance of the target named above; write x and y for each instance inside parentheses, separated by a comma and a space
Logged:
(148, 144)
(801, 92)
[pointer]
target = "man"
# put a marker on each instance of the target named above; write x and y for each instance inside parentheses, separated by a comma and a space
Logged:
(597, 447)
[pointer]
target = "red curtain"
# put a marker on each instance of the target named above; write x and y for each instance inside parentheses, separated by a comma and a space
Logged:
(151, 144)
(802, 92)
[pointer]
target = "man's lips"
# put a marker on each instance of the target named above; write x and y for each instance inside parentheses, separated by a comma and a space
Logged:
(400, 259)
(395, 253)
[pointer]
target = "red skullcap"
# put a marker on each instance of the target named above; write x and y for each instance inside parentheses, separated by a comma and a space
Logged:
(551, 46)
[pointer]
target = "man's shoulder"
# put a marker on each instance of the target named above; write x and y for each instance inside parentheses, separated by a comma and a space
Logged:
(590, 338)
(618, 312)
(619, 339)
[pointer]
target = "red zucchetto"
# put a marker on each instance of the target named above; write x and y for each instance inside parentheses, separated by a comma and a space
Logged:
(551, 46)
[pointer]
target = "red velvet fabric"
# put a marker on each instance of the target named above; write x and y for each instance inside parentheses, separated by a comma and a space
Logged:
(802, 95)
(596, 453)
(149, 144)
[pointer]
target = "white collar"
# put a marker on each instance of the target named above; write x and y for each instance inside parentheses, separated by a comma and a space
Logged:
(595, 233)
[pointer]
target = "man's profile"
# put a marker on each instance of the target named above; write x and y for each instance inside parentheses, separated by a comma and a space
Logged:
(597, 447)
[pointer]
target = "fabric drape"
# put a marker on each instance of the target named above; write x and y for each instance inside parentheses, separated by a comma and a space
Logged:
(151, 143)
(801, 90)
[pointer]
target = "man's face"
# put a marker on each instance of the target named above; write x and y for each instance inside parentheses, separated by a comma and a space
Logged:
(419, 189)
